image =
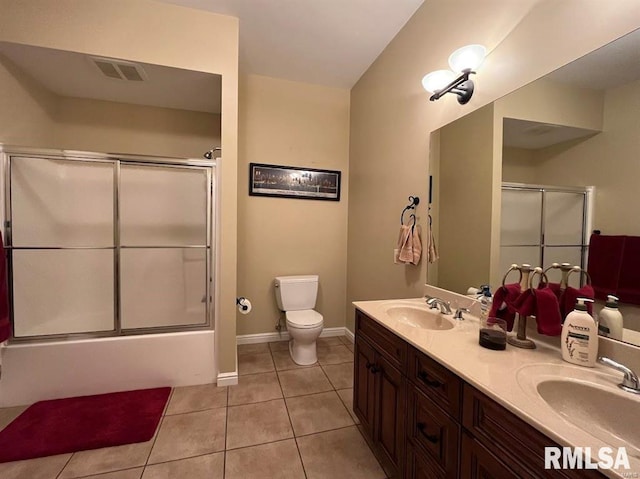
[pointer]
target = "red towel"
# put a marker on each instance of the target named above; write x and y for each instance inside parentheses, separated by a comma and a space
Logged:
(629, 280)
(605, 262)
(5, 326)
(543, 304)
(555, 287)
(568, 300)
(503, 300)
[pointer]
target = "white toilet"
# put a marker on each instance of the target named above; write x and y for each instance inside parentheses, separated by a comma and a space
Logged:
(296, 296)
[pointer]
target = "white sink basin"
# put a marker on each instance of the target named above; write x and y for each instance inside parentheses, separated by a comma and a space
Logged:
(418, 317)
(588, 399)
(605, 415)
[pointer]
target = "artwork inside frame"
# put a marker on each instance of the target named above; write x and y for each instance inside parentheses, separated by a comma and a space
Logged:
(294, 182)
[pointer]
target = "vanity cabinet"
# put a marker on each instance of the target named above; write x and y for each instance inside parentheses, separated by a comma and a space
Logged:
(379, 392)
(424, 421)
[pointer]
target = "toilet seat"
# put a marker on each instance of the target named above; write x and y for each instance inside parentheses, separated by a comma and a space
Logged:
(304, 319)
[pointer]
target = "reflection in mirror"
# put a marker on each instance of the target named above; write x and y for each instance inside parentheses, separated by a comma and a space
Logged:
(529, 177)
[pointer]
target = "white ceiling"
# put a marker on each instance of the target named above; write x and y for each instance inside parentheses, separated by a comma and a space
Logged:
(534, 135)
(70, 74)
(326, 42)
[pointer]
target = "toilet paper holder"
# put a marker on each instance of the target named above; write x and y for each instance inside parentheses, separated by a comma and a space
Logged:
(244, 305)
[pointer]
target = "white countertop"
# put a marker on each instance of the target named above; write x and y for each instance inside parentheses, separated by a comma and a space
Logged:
(502, 375)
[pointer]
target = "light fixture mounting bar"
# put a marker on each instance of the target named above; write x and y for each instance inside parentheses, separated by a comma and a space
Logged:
(461, 86)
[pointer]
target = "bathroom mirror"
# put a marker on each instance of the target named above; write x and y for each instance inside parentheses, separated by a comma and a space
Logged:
(572, 135)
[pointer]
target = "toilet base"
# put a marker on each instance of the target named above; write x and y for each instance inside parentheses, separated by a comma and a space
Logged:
(303, 354)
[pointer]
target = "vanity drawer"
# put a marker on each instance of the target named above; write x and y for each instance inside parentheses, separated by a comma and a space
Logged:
(421, 466)
(521, 446)
(432, 430)
(436, 381)
(387, 343)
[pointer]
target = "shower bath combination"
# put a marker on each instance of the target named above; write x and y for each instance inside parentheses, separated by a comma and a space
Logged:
(209, 154)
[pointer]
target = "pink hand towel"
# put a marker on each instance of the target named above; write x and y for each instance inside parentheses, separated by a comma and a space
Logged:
(417, 245)
(404, 247)
(503, 300)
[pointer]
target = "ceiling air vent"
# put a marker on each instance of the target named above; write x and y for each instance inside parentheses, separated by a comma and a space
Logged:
(119, 69)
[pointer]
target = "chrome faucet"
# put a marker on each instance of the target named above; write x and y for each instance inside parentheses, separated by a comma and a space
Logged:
(630, 381)
(445, 306)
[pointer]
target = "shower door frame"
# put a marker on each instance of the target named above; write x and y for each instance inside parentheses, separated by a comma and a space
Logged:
(587, 216)
(208, 166)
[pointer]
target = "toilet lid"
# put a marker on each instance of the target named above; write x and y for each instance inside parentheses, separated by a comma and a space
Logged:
(307, 318)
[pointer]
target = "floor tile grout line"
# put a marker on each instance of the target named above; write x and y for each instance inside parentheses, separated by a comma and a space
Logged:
(304, 471)
(194, 411)
(226, 426)
(65, 464)
(157, 433)
(98, 474)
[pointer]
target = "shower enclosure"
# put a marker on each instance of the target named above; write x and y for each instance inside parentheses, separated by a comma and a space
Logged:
(104, 246)
(542, 225)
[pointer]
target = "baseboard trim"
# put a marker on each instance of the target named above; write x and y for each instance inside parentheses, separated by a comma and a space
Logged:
(227, 379)
(350, 336)
(271, 337)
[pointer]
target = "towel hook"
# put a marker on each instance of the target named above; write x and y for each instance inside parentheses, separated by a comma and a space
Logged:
(414, 201)
(543, 277)
(414, 220)
(514, 267)
(578, 269)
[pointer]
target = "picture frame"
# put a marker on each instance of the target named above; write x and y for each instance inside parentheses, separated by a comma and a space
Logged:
(294, 182)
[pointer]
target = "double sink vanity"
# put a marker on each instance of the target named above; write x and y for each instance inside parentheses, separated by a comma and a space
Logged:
(434, 404)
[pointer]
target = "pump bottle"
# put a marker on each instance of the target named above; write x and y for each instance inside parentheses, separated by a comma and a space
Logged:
(579, 339)
(610, 322)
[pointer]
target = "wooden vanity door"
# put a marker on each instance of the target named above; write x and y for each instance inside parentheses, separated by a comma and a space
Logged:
(390, 411)
(364, 384)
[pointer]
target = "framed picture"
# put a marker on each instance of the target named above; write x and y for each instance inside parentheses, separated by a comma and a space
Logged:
(294, 182)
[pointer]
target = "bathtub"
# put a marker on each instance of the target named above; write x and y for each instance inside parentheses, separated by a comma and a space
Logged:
(56, 369)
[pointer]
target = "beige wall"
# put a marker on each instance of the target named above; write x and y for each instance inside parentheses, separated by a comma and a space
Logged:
(466, 153)
(608, 161)
(27, 108)
(293, 124)
(518, 165)
(391, 116)
(95, 125)
(162, 34)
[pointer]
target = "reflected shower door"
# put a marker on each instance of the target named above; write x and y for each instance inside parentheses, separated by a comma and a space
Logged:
(62, 239)
(164, 245)
(542, 226)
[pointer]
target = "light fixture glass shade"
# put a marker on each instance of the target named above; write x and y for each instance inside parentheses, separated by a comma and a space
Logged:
(437, 80)
(467, 58)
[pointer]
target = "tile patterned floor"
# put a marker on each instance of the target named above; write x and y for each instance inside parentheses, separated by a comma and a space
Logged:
(281, 421)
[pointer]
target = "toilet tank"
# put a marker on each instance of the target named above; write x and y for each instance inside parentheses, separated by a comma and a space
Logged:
(296, 293)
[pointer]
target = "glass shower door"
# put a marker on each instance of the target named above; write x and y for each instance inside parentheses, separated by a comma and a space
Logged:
(164, 246)
(62, 246)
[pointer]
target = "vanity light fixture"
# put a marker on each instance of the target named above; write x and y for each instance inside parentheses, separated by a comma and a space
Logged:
(464, 60)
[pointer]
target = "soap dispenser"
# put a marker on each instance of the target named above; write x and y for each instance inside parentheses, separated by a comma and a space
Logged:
(610, 322)
(580, 336)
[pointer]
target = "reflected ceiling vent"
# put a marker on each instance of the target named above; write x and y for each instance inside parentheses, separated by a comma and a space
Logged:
(119, 69)
(541, 129)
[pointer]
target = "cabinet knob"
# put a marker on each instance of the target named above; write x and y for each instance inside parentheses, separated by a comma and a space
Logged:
(429, 382)
(375, 369)
(429, 437)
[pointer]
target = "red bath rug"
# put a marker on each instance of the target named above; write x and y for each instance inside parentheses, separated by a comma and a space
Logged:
(75, 424)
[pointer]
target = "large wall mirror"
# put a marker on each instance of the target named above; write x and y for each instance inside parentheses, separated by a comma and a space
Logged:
(528, 178)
